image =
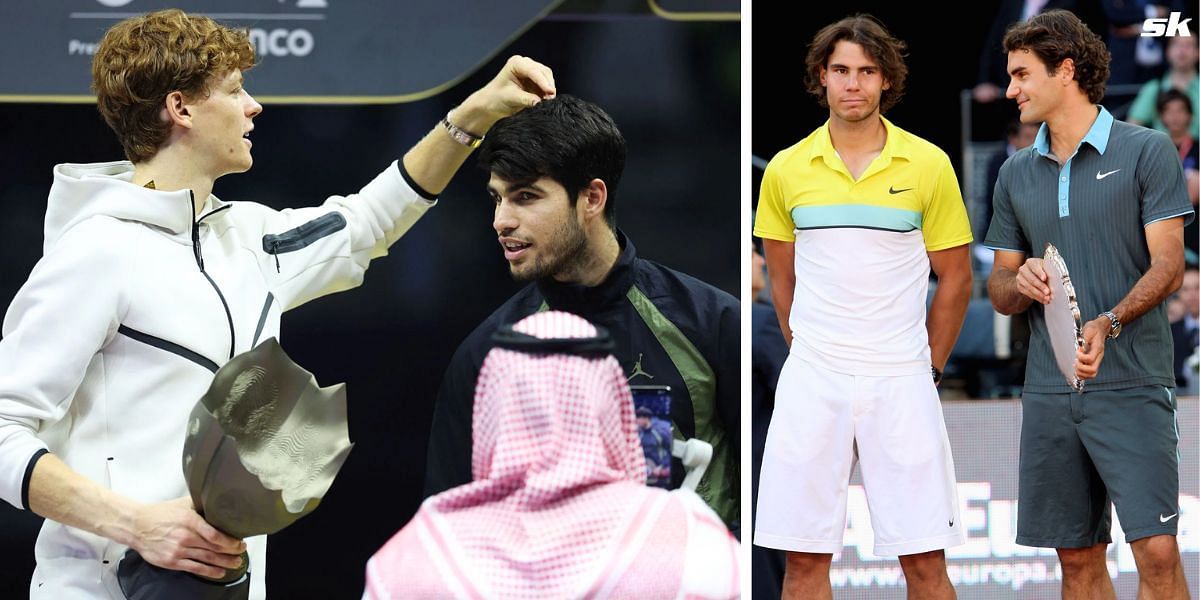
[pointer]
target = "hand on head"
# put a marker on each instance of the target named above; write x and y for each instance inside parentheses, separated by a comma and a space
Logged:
(522, 83)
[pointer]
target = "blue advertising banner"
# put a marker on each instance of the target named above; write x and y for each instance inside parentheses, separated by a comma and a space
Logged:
(984, 436)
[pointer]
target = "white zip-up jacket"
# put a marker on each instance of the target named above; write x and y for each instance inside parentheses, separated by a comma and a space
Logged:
(134, 305)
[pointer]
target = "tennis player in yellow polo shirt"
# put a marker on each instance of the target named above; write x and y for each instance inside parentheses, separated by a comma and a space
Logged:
(853, 217)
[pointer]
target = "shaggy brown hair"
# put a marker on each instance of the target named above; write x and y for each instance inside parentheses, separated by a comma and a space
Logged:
(142, 59)
(1056, 35)
(876, 42)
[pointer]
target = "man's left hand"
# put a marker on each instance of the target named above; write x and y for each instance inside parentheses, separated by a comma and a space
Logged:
(1087, 358)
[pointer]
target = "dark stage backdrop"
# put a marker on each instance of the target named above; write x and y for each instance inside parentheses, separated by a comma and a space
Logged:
(671, 86)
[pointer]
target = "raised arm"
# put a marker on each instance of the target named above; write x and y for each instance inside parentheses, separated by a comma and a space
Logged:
(371, 220)
(523, 82)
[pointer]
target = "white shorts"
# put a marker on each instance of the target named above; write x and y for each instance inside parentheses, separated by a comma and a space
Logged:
(892, 426)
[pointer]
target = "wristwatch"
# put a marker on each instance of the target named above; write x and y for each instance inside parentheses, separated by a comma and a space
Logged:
(937, 375)
(460, 135)
(1115, 329)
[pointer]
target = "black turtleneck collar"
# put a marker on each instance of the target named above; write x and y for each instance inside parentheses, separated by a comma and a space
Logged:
(577, 298)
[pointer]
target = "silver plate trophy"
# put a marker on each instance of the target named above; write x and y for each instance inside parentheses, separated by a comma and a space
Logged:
(1063, 320)
(263, 447)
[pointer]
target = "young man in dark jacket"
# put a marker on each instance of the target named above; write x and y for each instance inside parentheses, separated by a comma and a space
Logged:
(554, 176)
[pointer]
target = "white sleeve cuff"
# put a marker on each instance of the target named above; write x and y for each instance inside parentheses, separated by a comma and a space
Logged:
(18, 449)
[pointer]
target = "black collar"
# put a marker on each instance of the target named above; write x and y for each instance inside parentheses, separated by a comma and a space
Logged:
(579, 299)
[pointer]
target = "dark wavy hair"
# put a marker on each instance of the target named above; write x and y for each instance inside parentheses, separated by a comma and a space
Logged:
(1173, 95)
(1056, 35)
(569, 140)
(879, 45)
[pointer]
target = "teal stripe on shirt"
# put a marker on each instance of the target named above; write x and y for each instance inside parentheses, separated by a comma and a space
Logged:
(856, 215)
(1097, 136)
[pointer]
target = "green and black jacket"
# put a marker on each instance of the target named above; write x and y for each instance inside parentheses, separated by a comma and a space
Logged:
(668, 329)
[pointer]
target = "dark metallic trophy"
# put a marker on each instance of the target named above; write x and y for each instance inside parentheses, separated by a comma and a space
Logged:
(263, 446)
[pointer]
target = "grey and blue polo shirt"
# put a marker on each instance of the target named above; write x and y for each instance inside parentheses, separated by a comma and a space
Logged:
(1094, 209)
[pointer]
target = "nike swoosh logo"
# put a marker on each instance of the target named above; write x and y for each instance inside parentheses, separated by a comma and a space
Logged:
(1100, 175)
(892, 190)
(1162, 519)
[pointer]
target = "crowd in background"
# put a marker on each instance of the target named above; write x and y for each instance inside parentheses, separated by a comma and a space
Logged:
(1154, 82)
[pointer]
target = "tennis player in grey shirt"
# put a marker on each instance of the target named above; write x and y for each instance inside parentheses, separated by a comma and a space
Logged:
(1111, 197)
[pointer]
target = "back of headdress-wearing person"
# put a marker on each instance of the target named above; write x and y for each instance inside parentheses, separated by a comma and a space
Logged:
(558, 507)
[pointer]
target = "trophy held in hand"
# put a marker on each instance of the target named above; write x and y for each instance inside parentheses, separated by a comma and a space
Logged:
(1064, 322)
(263, 447)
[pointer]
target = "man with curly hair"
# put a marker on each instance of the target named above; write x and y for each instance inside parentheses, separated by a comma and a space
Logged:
(852, 219)
(1111, 197)
(149, 282)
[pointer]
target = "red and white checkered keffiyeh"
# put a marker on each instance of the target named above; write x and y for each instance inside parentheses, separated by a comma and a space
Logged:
(558, 508)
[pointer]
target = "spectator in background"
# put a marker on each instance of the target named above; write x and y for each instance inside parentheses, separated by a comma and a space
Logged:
(1184, 314)
(768, 347)
(655, 434)
(1017, 135)
(1119, 22)
(1135, 59)
(767, 352)
(1175, 111)
(993, 75)
(1182, 56)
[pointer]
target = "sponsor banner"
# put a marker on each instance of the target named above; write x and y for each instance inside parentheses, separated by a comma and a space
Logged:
(320, 51)
(696, 10)
(984, 435)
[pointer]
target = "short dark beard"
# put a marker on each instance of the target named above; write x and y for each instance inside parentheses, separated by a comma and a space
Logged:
(573, 253)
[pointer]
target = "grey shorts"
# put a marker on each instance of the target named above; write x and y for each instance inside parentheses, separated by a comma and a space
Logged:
(1079, 452)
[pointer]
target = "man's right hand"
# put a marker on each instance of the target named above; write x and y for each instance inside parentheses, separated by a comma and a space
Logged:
(522, 83)
(1032, 281)
(173, 536)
